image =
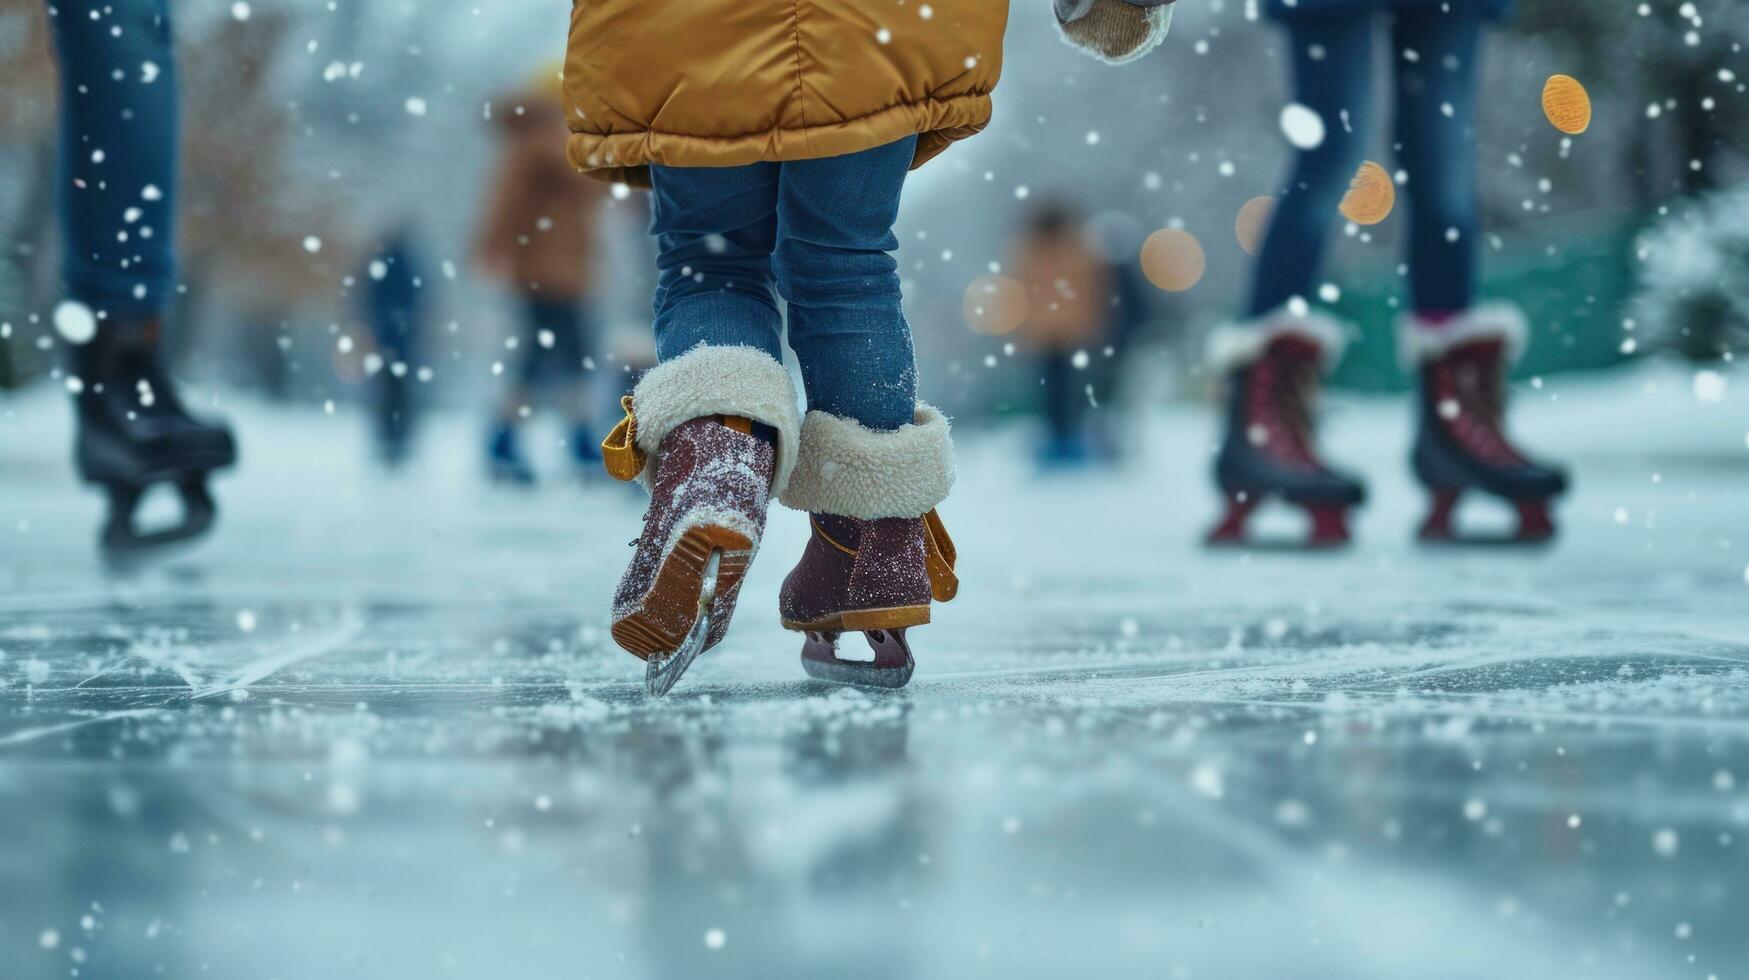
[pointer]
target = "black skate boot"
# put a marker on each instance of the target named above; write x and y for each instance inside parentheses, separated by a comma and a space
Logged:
(879, 554)
(134, 433)
(1268, 450)
(1462, 444)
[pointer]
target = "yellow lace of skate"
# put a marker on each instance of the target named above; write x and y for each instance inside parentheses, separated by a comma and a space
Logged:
(619, 451)
(939, 556)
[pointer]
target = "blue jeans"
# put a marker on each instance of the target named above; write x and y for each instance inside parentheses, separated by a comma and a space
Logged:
(1437, 150)
(117, 167)
(818, 233)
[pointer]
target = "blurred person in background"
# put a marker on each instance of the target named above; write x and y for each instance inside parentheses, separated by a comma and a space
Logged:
(1069, 313)
(394, 290)
(117, 175)
(1460, 350)
(537, 237)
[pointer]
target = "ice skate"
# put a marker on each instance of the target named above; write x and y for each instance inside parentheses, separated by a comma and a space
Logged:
(133, 433)
(689, 436)
(1462, 444)
(1273, 369)
(877, 574)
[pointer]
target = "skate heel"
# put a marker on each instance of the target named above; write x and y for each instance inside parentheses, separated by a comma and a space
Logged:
(662, 672)
(1230, 531)
(1329, 526)
(1535, 524)
(1438, 525)
(663, 622)
(896, 618)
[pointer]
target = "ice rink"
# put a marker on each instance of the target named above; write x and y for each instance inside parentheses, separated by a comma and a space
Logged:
(376, 728)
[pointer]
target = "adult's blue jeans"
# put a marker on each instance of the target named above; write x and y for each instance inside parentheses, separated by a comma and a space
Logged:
(1434, 57)
(818, 233)
(117, 167)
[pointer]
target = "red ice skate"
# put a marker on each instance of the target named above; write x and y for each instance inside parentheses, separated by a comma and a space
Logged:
(1269, 451)
(1462, 444)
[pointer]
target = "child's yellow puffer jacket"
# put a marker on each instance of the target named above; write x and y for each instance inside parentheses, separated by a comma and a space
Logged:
(722, 83)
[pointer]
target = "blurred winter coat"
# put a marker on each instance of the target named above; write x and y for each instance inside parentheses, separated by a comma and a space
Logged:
(538, 231)
(1068, 292)
(1289, 9)
(722, 83)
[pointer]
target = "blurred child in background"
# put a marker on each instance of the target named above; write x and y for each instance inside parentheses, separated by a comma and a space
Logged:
(1070, 295)
(537, 237)
(394, 305)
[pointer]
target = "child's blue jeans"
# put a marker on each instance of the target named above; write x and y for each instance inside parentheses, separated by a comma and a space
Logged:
(1434, 54)
(819, 233)
(117, 167)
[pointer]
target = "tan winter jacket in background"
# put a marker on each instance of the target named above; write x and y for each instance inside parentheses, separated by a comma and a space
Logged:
(1068, 292)
(722, 83)
(537, 234)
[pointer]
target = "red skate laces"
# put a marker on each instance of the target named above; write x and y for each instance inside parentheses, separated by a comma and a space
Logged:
(1278, 409)
(1469, 397)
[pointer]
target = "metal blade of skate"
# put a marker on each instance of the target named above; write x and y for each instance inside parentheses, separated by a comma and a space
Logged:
(126, 549)
(662, 673)
(890, 668)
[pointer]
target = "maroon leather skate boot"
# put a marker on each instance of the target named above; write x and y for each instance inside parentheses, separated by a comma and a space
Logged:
(878, 554)
(1462, 443)
(710, 481)
(1273, 369)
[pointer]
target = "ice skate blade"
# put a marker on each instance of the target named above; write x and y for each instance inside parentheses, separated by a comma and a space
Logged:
(1505, 541)
(661, 673)
(890, 670)
(1286, 546)
(125, 548)
(1328, 532)
(863, 620)
(1536, 528)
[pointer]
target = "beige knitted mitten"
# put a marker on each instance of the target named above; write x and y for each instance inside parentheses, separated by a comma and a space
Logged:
(1115, 31)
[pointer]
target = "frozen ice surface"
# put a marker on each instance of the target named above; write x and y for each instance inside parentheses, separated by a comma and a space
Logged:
(376, 728)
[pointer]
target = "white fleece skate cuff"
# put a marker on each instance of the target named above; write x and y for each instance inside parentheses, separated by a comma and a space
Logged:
(850, 470)
(708, 380)
(1235, 345)
(1420, 341)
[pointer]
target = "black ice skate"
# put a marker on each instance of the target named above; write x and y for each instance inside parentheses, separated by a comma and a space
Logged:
(1273, 369)
(1462, 443)
(133, 433)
